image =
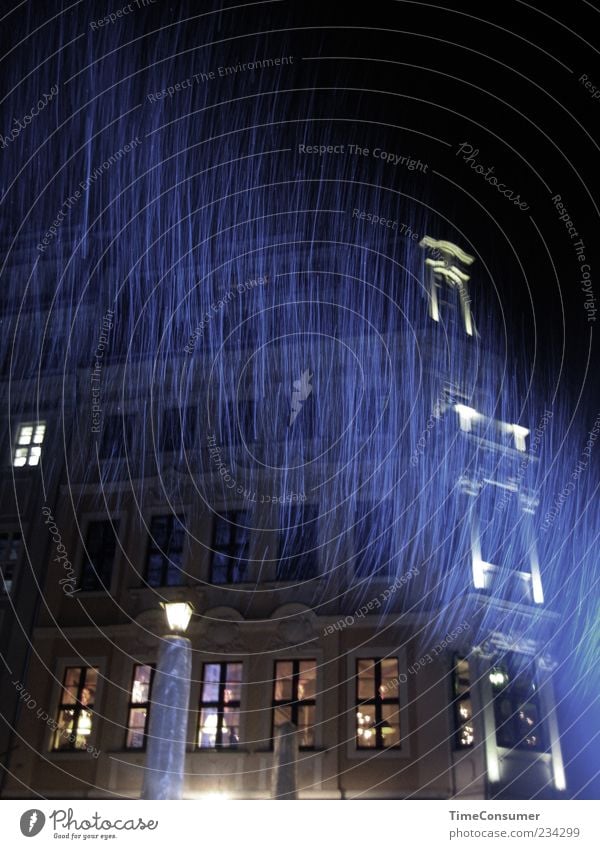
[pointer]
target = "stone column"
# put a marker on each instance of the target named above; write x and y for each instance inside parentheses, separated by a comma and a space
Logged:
(167, 733)
(285, 761)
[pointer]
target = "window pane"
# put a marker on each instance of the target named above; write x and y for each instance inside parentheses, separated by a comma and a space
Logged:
(366, 679)
(25, 435)
(212, 678)
(83, 730)
(136, 728)
(365, 727)
(64, 731)
(141, 684)
(71, 685)
(207, 734)
(306, 721)
(282, 714)
(283, 680)
(231, 727)
(233, 684)
(34, 455)
(154, 570)
(89, 690)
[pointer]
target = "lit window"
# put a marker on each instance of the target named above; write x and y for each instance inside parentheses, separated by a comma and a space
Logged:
(294, 692)
(377, 704)
(165, 551)
(75, 711)
(463, 710)
(516, 704)
(100, 546)
(10, 548)
(28, 447)
(230, 547)
(139, 706)
(219, 723)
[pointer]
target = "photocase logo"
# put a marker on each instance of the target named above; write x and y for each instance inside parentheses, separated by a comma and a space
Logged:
(302, 390)
(32, 822)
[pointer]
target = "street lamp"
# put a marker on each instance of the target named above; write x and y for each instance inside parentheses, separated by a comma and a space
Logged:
(167, 733)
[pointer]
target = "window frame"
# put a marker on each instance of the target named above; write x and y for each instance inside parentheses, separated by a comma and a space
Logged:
(286, 570)
(220, 704)
(456, 699)
(294, 702)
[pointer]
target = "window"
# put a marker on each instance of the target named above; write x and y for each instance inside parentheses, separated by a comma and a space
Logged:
(219, 724)
(28, 448)
(165, 551)
(99, 555)
(10, 548)
(516, 704)
(75, 711)
(299, 545)
(179, 427)
(139, 706)
(377, 704)
(294, 691)
(230, 547)
(463, 710)
(117, 436)
(375, 532)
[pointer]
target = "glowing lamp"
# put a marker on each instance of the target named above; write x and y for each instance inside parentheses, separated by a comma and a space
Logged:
(466, 415)
(178, 615)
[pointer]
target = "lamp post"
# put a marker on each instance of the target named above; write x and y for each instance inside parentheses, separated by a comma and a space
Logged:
(167, 733)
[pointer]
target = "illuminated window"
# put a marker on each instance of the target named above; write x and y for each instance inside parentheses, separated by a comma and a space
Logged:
(294, 691)
(377, 704)
(75, 711)
(10, 549)
(139, 706)
(28, 447)
(231, 536)
(219, 724)
(165, 551)
(516, 704)
(463, 710)
(100, 546)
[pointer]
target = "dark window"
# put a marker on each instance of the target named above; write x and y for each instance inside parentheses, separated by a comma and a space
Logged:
(502, 534)
(165, 551)
(294, 693)
(231, 537)
(99, 555)
(377, 704)
(299, 545)
(219, 722)
(75, 711)
(10, 549)
(138, 713)
(117, 436)
(516, 704)
(461, 700)
(179, 429)
(374, 533)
